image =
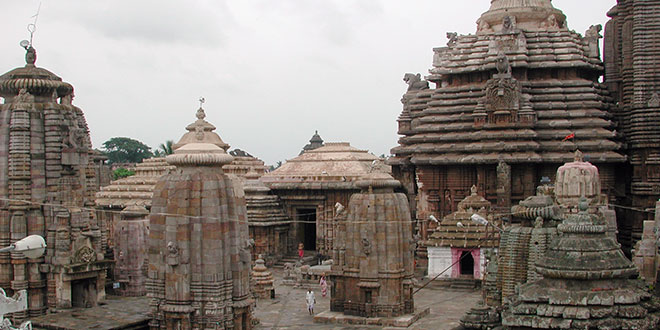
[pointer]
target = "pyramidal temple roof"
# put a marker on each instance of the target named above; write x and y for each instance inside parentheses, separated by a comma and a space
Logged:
(511, 92)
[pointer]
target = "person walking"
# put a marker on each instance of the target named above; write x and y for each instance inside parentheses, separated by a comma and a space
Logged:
(311, 300)
(324, 285)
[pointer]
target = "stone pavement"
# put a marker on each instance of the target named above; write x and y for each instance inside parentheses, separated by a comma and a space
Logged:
(289, 311)
(286, 311)
(116, 313)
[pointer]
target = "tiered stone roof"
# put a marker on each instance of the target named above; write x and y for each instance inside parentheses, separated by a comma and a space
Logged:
(263, 208)
(511, 92)
(244, 163)
(459, 231)
(335, 165)
(136, 189)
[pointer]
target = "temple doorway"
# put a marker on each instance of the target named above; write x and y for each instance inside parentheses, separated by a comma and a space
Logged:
(307, 233)
(83, 293)
(467, 263)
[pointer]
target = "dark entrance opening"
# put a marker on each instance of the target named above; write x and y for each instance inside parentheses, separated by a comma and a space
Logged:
(308, 226)
(467, 263)
(83, 293)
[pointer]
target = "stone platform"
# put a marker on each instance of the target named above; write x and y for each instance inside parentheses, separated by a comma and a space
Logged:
(403, 321)
(119, 313)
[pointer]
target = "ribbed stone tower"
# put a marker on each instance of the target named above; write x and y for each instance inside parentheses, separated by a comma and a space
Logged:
(45, 159)
(199, 251)
(586, 277)
(632, 73)
(374, 279)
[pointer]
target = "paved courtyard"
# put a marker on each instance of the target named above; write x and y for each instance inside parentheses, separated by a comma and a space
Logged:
(286, 311)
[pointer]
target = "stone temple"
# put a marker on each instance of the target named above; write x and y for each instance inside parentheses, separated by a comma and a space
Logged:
(199, 250)
(373, 271)
(511, 103)
(47, 162)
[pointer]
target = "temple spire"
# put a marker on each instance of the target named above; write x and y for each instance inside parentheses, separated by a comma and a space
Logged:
(530, 15)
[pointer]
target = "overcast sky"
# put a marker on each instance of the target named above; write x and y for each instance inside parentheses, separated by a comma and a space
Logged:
(272, 71)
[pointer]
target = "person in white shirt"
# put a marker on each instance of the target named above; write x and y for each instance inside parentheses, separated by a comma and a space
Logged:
(311, 300)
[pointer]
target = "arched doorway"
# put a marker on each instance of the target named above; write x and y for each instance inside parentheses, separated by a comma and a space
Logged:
(467, 263)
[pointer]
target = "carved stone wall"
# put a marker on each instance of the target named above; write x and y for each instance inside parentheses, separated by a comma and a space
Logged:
(47, 183)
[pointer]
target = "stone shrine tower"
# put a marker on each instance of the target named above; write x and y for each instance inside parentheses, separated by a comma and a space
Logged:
(199, 251)
(511, 103)
(587, 282)
(47, 186)
(372, 276)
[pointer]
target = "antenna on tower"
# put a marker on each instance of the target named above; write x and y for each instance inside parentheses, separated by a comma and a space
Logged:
(32, 27)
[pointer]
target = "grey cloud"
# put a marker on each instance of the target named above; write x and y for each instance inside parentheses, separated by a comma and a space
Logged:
(161, 22)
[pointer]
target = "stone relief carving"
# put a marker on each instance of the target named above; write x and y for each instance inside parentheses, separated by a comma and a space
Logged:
(483, 26)
(453, 38)
(172, 254)
(84, 255)
(654, 101)
(366, 246)
(23, 96)
(502, 64)
(508, 24)
(550, 23)
(415, 82)
(244, 253)
(592, 36)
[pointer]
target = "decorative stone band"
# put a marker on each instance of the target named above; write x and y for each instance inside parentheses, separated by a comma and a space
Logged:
(169, 308)
(581, 228)
(35, 86)
(370, 285)
(377, 180)
(549, 212)
(586, 274)
(202, 159)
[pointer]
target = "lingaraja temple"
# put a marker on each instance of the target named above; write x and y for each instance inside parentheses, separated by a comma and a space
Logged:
(632, 74)
(47, 186)
(511, 103)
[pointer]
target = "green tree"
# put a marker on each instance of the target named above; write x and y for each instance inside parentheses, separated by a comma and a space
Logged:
(125, 150)
(121, 173)
(165, 149)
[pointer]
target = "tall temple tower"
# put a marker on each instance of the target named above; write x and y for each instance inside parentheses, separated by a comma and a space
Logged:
(47, 186)
(511, 103)
(632, 73)
(199, 250)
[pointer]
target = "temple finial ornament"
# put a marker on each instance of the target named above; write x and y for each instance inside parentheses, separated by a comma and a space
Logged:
(578, 157)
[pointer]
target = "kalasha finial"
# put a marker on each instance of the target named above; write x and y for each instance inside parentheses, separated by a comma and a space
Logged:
(579, 157)
(473, 190)
(200, 112)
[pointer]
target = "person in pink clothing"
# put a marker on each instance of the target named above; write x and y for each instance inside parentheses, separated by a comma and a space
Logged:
(301, 250)
(324, 285)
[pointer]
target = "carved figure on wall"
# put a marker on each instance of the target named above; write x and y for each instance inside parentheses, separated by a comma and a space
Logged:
(415, 82)
(550, 22)
(502, 64)
(245, 255)
(594, 32)
(366, 246)
(508, 24)
(453, 38)
(24, 96)
(172, 254)
(483, 26)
